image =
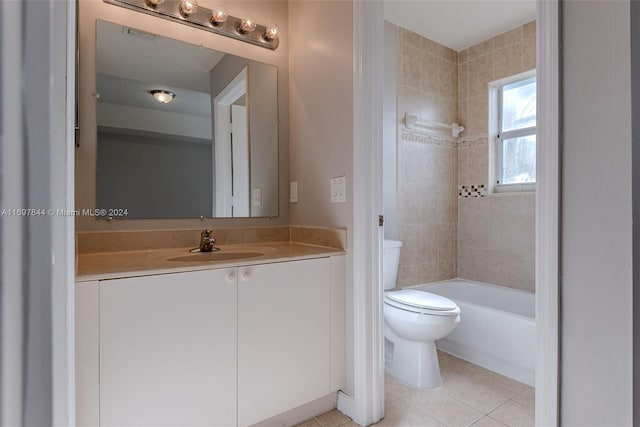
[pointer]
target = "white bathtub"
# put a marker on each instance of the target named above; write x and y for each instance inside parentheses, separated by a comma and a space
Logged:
(497, 329)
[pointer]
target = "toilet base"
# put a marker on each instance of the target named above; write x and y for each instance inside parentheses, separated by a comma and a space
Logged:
(413, 363)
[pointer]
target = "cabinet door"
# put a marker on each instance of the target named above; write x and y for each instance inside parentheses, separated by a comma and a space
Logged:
(168, 350)
(283, 337)
(87, 357)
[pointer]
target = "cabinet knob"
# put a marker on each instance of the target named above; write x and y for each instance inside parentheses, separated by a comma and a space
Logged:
(246, 276)
(231, 277)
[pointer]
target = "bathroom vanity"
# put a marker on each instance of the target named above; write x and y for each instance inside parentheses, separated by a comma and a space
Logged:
(174, 340)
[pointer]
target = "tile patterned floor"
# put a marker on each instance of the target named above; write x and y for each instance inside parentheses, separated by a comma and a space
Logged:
(470, 396)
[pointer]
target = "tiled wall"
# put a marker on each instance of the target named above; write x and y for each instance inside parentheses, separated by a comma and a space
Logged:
(427, 165)
(449, 225)
(496, 239)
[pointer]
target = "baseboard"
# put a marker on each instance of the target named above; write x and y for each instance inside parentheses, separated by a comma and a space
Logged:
(301, 413)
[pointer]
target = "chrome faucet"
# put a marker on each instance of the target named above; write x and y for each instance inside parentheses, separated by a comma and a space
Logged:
(206, 242)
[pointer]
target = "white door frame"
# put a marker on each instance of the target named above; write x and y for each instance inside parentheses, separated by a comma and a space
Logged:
(366, 406)
(547, 213)
(222, 142)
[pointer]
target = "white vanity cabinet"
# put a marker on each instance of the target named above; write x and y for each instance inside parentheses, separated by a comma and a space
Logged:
(220, 347)
(168, 349)
(283, 337)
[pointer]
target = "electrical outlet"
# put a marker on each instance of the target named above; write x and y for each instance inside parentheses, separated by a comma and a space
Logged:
(293, 192)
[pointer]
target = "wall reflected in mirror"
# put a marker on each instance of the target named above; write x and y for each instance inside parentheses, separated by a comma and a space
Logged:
(207, 147)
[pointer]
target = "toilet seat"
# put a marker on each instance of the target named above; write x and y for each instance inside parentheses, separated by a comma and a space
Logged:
(421, 302)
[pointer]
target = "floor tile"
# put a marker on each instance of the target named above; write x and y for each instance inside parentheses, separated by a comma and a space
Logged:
(498, 381)
(527, 397)
(334, 418)
(477, 394)
(444, 408)
(470, 396)
(394, 388)
(488, 422)
(399, 413)
(514, 414)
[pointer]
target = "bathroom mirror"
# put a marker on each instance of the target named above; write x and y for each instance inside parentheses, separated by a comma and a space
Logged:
(183, 131)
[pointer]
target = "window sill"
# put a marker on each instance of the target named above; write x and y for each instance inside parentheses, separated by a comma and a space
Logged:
(514, 188)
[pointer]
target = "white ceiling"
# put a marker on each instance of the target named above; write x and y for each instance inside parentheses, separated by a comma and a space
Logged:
(459, 24)
(130, 63)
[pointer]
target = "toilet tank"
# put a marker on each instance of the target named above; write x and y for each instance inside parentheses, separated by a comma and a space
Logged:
(390, 262)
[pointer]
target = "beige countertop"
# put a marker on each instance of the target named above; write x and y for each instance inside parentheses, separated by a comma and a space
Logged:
(112, 265)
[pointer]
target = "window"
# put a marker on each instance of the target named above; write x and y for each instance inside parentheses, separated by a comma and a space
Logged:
(516, 136)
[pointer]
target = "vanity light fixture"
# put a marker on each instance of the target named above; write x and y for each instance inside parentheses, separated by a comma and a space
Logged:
(188, 7)
(247, 25)
(215, 20)
(163, 96)
(218, 15)
(271, 33)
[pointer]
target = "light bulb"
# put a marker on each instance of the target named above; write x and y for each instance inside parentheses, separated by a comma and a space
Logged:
(163, 96)
(218, 15)
(154, 3)
(188, 7)
(247, 24)
(271, 33)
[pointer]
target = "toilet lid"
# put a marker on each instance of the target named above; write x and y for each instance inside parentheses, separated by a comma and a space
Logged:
(421, 299)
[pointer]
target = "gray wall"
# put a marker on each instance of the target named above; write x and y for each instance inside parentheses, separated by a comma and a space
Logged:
(262, 89)
(154, 176)
(635, 115)
(596, 226)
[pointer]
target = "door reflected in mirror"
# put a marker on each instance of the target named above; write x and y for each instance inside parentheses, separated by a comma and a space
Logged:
(183, 131)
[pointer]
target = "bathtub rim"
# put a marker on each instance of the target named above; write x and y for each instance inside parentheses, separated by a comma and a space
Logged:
(475, 282)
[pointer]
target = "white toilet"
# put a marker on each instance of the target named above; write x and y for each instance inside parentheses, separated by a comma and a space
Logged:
(413, 321)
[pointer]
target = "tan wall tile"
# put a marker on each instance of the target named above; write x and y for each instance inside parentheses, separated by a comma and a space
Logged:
(409, 37)
(478, 164)
(447, 206)
(507, 38)
(480, 74)
(473, 225)
(448, 110)
(463, 55)
(529, 54)
(411, 64)
(529, 30)
(512, 225)
(478, 116)
(448, 79)
(463, 81)
(446, 159)
(463, 116)
(463, 165)
(448, 54)
(507, 61)
(480, 49)
(430, 82)
(430, 47)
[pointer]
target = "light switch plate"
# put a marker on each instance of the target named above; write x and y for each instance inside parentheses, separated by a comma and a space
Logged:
(339, 189)
(293, 192)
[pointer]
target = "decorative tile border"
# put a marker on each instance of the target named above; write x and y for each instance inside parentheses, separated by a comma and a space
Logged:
(465, 191)
(467, 143)
(422, 138)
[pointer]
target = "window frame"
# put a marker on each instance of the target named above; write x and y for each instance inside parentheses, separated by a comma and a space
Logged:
(499, 136)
